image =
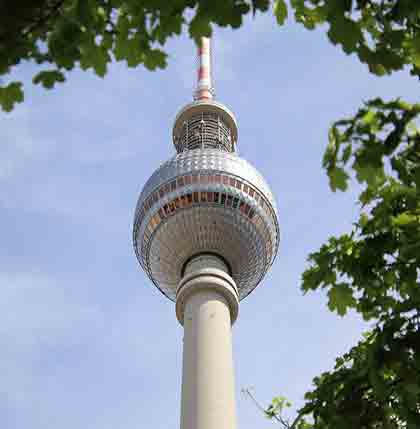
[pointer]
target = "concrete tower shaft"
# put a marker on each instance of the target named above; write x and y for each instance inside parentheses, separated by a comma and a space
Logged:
(207, 304)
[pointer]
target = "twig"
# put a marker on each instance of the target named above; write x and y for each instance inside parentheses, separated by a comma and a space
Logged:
(262, 409)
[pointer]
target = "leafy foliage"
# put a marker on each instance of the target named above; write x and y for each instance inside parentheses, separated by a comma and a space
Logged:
(64, 34)
(276, 407)
(374, 270)
(375, 385)
(384, 34)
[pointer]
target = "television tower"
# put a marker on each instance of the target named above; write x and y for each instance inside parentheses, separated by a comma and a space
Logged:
(206, 232)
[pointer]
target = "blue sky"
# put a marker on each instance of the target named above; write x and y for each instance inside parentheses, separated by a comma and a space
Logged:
(86, 341)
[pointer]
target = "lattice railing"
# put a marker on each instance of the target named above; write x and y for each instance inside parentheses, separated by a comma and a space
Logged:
(206, 130)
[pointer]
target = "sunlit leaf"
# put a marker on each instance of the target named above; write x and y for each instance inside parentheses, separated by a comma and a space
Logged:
(280, 11)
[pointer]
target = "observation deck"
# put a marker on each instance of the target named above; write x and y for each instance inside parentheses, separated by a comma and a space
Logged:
(205, 124)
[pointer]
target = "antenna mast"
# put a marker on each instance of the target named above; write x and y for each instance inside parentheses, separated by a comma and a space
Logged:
(204, 90)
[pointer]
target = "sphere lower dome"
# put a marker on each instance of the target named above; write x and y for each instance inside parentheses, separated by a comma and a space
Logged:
(206, 201)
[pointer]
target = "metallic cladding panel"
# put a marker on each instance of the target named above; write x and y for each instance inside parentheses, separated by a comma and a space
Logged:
(198, 160)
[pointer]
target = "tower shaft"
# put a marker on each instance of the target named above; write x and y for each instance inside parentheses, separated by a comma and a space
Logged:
(207, 306)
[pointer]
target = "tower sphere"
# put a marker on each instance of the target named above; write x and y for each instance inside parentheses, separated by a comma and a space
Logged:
(205, 200)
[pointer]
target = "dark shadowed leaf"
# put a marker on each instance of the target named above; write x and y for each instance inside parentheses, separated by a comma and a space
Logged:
(10, 94)
(338, 179)
(48, 78)
(340, 298)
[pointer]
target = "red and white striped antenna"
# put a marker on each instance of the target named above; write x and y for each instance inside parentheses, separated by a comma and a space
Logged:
(204, 90)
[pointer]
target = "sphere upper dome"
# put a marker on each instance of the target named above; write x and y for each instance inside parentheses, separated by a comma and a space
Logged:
(206, 201)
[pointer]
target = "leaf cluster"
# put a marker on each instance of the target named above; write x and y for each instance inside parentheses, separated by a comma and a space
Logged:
(374, 270)
(384, 34)
(60, 35)
(376, 385)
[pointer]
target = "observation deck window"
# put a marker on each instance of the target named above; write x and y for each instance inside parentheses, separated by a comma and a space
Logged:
(184, 200)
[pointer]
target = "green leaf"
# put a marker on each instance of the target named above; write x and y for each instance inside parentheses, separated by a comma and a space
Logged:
(346, 153)
(345, 32)
(280, 11)
(96, 57)
(9, 95)
(364, 219)
(84, 10)
(338, 179)
(155, 59)
(404, 219)
(200, 26)
(309, 17)
(369, 117)
(330, 155)
(412, 389)
(371, 175)
(340, 298)
(48, 78)
(413, 129)
(413, 48)
(64, 44)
